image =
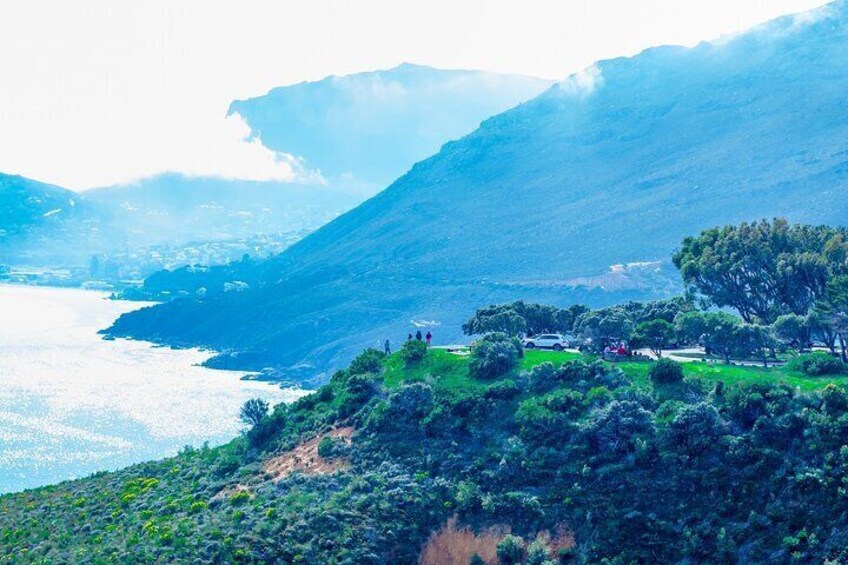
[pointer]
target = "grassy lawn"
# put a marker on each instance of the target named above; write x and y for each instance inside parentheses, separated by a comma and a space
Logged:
(446, 370)
(450, 372)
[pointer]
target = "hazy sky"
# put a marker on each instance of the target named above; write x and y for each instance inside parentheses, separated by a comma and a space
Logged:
(98, 92)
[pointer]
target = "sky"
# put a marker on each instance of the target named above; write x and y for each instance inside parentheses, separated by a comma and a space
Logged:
(99, 92)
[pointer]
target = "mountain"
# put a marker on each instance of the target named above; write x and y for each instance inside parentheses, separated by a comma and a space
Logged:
(26, 203)
(177, 208)
(35, 217)
(612, 166)
(361, 130)
(364, 130)
(169, 220)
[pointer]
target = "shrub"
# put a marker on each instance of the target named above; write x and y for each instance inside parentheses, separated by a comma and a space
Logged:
(545, 377)
(413, 351)
(369, 361)
(326, 447)
(358, 390)
(666, 371)
(511, 550)
(817, 364)
(505, 390)
(537, 553)
(494, 356)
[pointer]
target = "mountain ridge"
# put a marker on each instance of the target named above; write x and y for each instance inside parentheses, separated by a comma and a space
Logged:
(334, 123)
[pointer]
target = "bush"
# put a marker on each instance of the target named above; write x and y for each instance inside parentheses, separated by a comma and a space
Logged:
(817, 364)
(504, 390)
(413, 351)
(665, 372)
(494, 356)
(510, 550)
(326, 447)
(369, 361)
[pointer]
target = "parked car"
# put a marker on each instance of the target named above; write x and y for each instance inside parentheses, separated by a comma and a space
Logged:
(546, 341)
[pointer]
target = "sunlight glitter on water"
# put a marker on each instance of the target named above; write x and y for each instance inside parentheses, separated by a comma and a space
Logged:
(72, 404)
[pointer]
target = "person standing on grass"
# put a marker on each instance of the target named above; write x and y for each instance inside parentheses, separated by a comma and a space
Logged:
(387, 348)
(418, 335)
(429, 336)
(409, 337)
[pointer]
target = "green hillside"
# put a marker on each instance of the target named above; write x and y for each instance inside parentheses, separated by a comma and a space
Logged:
(395, 460)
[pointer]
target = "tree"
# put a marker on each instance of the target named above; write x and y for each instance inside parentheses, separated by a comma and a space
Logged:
(690, 327)
(568, 317)
(821, 328)
(495, 318)
(253, 412)
(762, 269)
(756, 341)
(538, 318)
(832, 311)
(601, 327)
(666, 309)
(655, 335)
(721, 333)
(792, 329)
(520, 316)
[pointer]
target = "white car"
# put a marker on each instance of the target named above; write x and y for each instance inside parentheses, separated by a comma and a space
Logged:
(546, 341)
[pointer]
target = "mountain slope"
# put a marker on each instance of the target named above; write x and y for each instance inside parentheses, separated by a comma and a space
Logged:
(613, 166)
(36, 218)
(364, 130)
(344, 125)
(173, 207)
(25, 203)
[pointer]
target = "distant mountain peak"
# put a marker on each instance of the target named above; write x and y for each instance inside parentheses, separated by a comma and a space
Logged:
(366, 129)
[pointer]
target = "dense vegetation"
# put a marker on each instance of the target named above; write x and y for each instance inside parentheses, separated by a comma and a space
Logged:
(624, 467)
(787, 282)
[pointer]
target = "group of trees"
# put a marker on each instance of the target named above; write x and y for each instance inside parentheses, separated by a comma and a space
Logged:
(521, 317)
(787, 282)
(648, 324)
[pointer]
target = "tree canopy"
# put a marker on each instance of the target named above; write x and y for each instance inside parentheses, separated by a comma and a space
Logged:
(763, 269)
(520, 316)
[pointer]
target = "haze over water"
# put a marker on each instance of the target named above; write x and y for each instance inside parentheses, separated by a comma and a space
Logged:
(72, 404)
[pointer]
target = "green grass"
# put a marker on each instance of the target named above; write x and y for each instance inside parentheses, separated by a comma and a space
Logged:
(449, 372)
(538, 356)
(738, 375)
(445, 370)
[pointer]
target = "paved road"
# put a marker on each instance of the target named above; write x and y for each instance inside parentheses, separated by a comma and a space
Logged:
(675, 355)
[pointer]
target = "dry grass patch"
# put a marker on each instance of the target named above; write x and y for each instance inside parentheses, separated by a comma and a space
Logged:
(454, 545)
(305, 459)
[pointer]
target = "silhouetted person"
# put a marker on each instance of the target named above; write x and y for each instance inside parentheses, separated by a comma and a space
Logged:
(387, 347)
(418, 335)
(409, 337)
(428, 337)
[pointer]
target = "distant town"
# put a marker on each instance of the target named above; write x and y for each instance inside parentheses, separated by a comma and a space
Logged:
(127, 270)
